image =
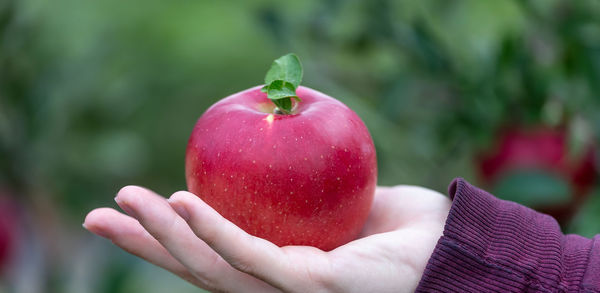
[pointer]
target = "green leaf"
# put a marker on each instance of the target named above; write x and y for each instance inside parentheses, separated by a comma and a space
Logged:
(587, 220)
(287, 68)
(280, 89)
(284, 105)
(281, 92)
(282, 80)
(533, 188)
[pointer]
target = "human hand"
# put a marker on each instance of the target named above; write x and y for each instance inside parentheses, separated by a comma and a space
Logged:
(187, 237)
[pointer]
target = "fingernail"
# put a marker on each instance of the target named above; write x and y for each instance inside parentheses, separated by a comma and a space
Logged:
(182, 211)
(125, 206)
(96, 230)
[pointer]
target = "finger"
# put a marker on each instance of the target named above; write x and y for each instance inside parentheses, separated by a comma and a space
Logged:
(158, 218)
(296, 268)
(128, 234)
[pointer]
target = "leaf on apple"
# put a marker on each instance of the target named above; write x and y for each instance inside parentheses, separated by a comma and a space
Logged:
(282, 80)
(280, 89)
(286, 68)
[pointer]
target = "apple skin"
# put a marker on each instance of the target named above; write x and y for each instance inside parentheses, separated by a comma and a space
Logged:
(307, 178)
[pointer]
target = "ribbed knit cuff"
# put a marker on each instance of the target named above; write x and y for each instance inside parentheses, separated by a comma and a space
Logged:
(492, 245)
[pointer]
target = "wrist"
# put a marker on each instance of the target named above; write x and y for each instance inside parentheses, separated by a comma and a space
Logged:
(492, 245)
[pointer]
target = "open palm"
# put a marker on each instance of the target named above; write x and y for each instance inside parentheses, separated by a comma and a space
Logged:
(190, 239)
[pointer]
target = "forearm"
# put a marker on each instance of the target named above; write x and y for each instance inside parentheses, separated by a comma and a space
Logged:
(490, 245)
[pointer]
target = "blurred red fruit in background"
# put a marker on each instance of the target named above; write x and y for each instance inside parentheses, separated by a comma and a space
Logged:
(8, 230)
(536, 166)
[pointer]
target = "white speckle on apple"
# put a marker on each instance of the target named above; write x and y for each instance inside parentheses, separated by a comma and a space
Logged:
(333, 147)
(338, 179)
(218, 154)
(240, 150)
(253, 162)
(274, 146)
(291, 192)
(305, 158)
(225, 189)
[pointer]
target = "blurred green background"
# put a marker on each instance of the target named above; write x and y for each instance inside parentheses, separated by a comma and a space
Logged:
(95, 95)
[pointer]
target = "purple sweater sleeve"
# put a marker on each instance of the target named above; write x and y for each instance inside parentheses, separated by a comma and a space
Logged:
(492, 245)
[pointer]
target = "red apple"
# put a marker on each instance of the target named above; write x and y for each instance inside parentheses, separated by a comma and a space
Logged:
(542, 149)
(8, 231)
(305, 178)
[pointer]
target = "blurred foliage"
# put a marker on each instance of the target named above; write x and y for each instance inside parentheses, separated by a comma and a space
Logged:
(95, 95)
